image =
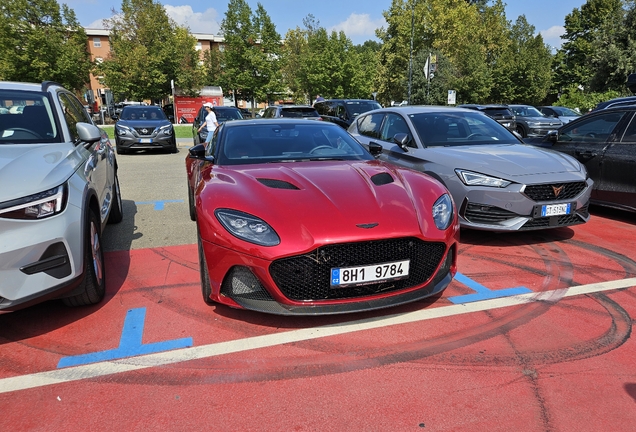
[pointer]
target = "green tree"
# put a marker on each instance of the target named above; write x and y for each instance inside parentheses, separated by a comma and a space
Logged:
(251, 53)
(148, 50)
(614, 55)
(40, 42)
(582, 28)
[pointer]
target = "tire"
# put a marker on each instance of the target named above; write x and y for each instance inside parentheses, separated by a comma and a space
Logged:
(521, 131)
(193, 211)
(93, 286)
(174, 148)
(116, 210)
(206, 288)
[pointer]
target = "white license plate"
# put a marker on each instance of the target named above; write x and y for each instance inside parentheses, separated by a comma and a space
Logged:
(146, 140)
(555, 210)
(367, 274)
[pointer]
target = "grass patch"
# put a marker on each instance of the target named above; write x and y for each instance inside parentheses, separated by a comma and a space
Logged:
(180, 131)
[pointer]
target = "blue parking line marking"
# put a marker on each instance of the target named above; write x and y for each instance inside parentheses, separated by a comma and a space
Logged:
(483, 293)
(130, 344)
(159, 205)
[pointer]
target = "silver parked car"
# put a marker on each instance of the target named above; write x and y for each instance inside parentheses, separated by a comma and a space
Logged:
(60, 188)
(533, 123)
(498, 183)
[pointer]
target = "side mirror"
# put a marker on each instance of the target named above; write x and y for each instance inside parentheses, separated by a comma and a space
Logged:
(88, 133)
(197, 152)
(402, 140)
(551, 137)
(375, 149)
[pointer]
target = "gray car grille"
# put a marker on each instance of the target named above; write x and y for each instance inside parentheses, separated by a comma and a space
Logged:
(554, 191)
(145, 131)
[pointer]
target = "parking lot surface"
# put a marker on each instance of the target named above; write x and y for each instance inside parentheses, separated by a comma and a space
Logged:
(534, 334)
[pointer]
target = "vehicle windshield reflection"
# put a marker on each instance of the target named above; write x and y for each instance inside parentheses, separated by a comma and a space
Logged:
(269, 143)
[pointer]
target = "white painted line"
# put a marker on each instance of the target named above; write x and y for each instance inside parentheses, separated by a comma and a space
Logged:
(95, 370)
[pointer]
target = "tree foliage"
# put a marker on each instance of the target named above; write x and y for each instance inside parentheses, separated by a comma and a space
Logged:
(317, 62)
(148, 50)
(40, 41)
(486, 59)
(251, 53)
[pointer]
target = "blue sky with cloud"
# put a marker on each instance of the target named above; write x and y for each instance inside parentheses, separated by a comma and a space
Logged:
(358, 19)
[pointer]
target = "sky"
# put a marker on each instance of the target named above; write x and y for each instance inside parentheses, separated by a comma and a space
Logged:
(358, 19)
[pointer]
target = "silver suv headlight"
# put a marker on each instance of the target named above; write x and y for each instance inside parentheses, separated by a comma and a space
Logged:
(37, 206)
(247, 227)
(476, 179)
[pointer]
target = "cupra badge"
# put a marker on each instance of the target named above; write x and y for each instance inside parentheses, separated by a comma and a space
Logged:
(557, 190)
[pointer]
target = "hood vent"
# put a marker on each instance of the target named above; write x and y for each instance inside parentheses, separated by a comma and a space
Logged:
(382, 179)
(277, 184)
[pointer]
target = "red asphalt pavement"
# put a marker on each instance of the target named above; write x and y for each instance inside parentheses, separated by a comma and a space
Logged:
(556, 359)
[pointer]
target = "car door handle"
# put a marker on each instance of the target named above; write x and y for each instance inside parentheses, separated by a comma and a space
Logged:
(586, 155)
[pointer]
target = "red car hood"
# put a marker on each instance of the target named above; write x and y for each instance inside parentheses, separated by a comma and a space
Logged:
(310, 203)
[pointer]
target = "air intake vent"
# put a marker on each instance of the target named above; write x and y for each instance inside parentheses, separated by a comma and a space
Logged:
(277, 184)
(382, 179)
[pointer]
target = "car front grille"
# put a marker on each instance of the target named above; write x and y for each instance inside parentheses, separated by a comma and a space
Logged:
(554, 191)
(307, 277)
(147, 131)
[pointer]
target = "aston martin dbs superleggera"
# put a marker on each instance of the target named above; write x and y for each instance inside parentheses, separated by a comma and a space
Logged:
(297, 218)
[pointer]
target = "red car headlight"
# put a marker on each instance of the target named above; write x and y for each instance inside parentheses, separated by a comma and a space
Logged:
(247, 227)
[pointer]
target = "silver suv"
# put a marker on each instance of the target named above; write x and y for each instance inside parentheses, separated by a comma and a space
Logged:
(60, 188)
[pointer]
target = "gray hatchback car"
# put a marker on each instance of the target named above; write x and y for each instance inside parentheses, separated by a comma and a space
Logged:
(59, 189)
(498, 183)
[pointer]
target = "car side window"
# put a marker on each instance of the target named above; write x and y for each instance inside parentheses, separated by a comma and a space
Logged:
(269, 112)
(393, 124)
(341, 111)
(210, 150)
(369, 125)
(594, 129)
(72, 114)
(630, 133)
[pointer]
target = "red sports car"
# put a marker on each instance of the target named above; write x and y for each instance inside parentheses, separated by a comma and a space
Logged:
(295, 217)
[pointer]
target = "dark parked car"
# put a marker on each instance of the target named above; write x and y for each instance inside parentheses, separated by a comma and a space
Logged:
(605, 142)
(247, 113)
(533, 123)
(278, 232)
(497, 182)
(564, 114)
(223, 114)
(58, 173)
(623, 101)
(501, 113)
(291, 111)
(343, 111)
(144, 128)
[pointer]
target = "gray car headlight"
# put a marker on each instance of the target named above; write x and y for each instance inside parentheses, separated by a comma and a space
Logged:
(247, 227)
(167, 130)
(37, 206)
(443, 212)
(121, 130)
(476, 179)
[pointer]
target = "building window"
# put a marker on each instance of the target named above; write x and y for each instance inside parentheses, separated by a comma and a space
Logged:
(199, 47)
(99, 60)
(97, 42)
(221, 47)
